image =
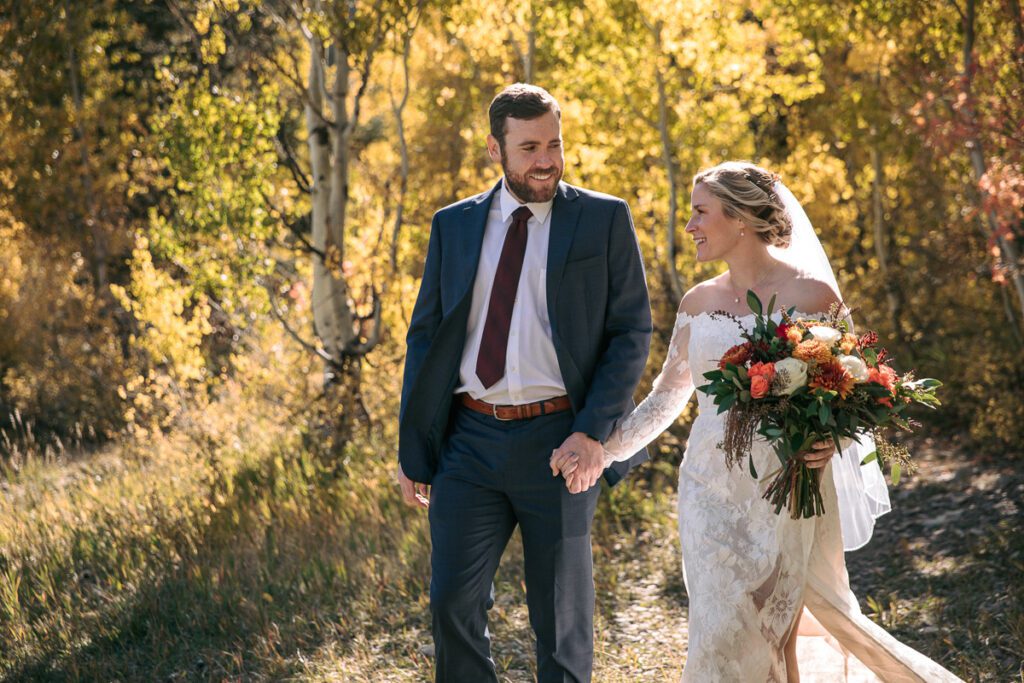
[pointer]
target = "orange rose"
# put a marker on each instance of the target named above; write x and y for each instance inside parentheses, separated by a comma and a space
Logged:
(759, 386)
(766, 370)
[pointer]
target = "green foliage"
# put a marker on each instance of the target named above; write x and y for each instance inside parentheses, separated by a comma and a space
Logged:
(218, 149)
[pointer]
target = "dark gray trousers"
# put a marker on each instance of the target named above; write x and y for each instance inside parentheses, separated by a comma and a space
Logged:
(494, 475)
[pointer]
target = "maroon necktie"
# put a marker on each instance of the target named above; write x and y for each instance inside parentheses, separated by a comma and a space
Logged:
(490, 361)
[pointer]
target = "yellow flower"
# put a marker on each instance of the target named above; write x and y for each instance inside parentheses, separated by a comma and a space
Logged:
(812, 351)
(848, 343)
(794, 334)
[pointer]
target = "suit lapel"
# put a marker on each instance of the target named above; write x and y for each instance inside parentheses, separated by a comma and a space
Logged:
(470, 240)
(565, 214)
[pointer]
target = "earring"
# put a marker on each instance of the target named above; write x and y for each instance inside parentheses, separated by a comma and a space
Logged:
(742, 233)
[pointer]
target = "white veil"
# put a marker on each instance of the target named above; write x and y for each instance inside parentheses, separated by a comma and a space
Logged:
(863, 494)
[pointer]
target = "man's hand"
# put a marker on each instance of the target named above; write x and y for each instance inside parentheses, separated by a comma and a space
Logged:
(819, 454)
(580, 460)
(414, 493)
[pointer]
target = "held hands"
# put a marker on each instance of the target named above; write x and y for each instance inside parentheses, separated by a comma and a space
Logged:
(414, 493)
(580, 460)
(819, 454)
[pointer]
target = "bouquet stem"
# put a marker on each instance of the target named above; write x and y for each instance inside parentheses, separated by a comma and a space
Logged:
(797, 489)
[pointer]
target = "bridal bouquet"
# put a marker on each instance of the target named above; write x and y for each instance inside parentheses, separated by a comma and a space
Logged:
(800, 381)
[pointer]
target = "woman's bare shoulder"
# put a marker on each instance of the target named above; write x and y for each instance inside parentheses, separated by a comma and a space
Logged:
(702, 297)
(808, 294)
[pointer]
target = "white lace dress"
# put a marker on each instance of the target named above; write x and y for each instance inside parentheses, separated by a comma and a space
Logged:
(746, 569)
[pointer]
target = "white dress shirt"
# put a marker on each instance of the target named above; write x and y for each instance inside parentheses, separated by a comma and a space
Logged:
(531, 366)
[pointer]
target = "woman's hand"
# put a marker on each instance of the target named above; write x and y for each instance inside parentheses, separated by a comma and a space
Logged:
(818, 455)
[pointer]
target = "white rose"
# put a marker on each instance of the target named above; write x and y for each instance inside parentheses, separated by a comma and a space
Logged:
(826, 335)
(856, 367)
(790, 375)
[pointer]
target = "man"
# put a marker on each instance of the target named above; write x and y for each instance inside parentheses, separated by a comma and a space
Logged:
(530, 332)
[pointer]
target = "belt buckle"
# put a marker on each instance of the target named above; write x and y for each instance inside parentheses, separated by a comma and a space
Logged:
(494, 412)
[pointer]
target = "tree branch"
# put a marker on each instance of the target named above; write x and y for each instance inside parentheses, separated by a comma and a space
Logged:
(315, 350)
(293, 227)
(285, 151)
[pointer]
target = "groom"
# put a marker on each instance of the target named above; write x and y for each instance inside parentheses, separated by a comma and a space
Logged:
(530, 333)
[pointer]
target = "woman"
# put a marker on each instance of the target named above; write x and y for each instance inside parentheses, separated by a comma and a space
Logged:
(750, 573)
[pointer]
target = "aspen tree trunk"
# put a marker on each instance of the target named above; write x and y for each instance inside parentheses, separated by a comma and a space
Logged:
(881, 240)
(330, 309)
(672, 277)
(398, 109)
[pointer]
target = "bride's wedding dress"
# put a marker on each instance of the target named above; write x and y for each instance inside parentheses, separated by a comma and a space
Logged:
(748, 570)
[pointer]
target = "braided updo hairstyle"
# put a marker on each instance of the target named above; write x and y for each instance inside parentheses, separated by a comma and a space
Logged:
(747, 192)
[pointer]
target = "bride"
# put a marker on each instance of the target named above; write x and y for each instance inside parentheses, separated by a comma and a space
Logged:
(757, 580)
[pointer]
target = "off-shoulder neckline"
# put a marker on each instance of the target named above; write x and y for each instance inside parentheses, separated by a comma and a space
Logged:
(683, 316)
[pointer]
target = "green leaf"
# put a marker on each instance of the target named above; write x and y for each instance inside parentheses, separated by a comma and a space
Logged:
(754, 302)
(870, 457)
(895, 473)
(750, 464)
(771, 305)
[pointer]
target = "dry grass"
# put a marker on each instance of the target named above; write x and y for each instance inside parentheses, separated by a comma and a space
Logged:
(252, 560)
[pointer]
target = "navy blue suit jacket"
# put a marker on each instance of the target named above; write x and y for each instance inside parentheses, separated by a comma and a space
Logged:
(597, 303)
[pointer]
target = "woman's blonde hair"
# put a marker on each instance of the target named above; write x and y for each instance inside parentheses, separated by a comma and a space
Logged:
(747, 192)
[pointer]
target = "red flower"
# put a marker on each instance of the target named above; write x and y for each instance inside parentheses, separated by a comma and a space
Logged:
(833, 376)
(867, 339)
(781, 330)
(884, 375)
(737, 355)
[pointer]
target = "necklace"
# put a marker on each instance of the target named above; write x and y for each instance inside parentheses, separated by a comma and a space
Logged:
(760, 281)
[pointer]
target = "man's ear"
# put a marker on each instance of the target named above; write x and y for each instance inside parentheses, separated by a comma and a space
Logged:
(493, 149)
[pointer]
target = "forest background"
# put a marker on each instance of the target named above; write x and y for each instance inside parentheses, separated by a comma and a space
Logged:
(213, 220)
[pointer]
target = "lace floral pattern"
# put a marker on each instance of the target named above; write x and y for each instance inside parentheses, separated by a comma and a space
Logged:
(672, 389)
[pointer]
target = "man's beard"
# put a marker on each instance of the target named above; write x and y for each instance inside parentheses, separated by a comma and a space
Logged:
(520, 187)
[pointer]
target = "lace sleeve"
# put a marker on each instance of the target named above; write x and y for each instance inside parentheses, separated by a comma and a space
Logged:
(672, 389)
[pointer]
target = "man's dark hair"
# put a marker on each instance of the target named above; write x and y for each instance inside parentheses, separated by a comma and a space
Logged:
(520, 101)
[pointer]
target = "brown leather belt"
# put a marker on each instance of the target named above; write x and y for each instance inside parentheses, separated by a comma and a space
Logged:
(521, 412)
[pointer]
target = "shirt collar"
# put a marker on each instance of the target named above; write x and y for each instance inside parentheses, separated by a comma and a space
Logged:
(540, 210)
